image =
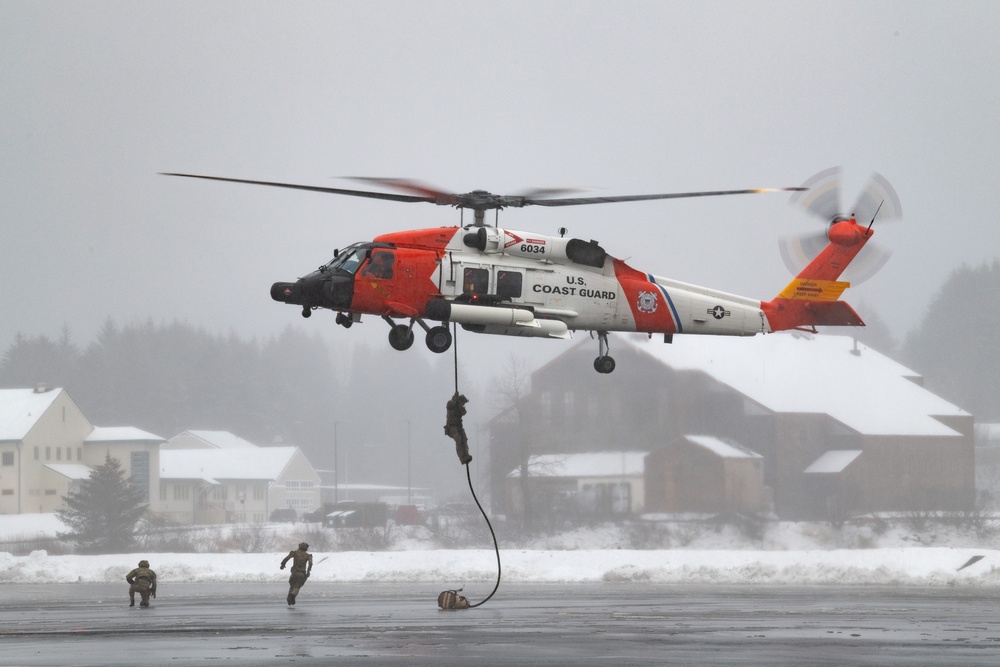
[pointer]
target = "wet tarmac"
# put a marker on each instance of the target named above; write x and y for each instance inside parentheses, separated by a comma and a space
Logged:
(592, 624)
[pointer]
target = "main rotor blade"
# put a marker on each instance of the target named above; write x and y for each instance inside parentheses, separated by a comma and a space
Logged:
(313, 188)
(477, 199)
(576, 201)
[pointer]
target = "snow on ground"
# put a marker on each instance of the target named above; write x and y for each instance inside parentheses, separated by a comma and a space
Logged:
(787, 554)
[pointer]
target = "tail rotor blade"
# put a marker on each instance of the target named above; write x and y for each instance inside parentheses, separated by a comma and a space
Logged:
(880, 196)
(821, 196)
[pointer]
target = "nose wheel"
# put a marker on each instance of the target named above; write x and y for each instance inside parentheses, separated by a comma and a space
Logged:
(604, 363)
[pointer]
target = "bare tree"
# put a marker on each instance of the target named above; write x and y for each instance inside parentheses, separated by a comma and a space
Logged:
(513, 448)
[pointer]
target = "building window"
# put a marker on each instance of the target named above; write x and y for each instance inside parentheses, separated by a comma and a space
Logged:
(140, 472)
(292, 487)
(163, 490)
(79, 453)
(48, 453)
(36, 453)
(8, 492)
(181, 492)
(258, 492)
(50, 492)
(8, 458)
(58, 453)
(220, 492)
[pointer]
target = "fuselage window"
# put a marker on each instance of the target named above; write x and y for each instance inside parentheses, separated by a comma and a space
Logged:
(476, 281)
(380, 265)
(509, 284)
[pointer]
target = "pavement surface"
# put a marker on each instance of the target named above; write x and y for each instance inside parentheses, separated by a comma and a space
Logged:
(592, 624)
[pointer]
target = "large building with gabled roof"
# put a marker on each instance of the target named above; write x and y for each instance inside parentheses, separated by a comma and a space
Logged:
(47, 446)
(796, 400)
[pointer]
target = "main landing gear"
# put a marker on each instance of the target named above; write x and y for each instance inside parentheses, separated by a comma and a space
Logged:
(604, 363)
(438, 338)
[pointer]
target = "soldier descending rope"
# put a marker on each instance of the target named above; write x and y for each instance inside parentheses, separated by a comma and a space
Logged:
(453, 426)
(302, 563)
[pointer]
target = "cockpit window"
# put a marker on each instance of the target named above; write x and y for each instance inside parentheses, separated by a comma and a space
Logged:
(352, 261)
(349, 258)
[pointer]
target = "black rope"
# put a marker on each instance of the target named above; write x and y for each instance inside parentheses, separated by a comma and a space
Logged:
(496, 547)
(454, 342)
(468, 475)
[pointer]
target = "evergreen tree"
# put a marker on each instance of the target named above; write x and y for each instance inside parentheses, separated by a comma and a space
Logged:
(102, 515)
(956, 346)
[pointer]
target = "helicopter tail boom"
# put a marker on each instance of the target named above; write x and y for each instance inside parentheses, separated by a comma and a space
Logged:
(812, 298)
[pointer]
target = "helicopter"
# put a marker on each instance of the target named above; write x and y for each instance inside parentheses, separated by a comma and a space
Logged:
(501, 281)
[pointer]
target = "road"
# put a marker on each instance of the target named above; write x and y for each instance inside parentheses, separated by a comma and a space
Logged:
(593, 624)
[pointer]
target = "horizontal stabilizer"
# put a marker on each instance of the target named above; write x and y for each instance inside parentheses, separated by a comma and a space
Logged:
(784, 314)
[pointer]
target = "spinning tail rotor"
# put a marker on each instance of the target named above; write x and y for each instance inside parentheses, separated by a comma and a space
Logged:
(821, 198)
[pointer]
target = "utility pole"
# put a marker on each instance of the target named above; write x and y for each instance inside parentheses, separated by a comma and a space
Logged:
(408, 464)
(336, 467)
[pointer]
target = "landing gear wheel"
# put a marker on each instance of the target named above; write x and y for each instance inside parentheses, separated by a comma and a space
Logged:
(344, 320)
(306, 311)
(400, 337)
(438, 339)
(604, 364)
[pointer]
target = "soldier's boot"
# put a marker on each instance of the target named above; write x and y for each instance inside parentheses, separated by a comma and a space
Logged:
(144, 603)
(131, 602)
(291, 599)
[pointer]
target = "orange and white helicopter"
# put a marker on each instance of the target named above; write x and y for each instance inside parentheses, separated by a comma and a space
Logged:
(502, 281)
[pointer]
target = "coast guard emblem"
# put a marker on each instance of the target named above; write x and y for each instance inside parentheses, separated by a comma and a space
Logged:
(647, 302)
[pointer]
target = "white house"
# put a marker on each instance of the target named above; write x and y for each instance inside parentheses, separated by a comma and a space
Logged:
(225, 479)
(47, 446)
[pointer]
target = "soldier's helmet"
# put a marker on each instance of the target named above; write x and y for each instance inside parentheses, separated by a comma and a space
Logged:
(144, 563)
(304, 546)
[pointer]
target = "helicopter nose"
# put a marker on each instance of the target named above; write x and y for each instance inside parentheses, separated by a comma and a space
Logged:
(287, 292)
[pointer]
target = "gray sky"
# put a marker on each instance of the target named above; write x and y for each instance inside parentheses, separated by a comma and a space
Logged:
(97, 97)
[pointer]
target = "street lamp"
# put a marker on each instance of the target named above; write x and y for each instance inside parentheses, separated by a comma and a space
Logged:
(408, 465)
(336, 466)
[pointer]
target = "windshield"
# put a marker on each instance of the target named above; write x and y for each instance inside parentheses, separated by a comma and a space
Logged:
(349, 258)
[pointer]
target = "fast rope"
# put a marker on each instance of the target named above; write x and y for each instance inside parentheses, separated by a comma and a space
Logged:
(451, 599)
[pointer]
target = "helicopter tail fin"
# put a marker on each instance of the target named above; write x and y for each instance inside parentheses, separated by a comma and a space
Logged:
(812, 298)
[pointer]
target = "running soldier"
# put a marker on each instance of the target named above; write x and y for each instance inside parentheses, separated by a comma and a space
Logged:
(143, 580)
(302, 563)
(453, 426)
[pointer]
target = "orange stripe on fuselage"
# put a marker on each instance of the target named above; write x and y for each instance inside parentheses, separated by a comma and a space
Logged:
(649, 303)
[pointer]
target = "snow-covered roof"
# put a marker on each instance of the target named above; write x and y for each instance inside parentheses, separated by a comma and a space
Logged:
(221, 439)
(823, 374)
(723, 449)
(262, 463)
(834, 461)
(20, 410)
(593, 464)
(70, 470)
(121, 434)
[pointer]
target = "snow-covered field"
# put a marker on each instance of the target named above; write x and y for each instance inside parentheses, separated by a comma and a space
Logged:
(785, 554)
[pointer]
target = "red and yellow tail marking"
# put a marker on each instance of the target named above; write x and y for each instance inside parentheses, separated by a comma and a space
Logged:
(814, 290)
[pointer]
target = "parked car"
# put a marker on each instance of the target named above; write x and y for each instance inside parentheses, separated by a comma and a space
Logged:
(284, 514)
(318, 515)
(352, 514)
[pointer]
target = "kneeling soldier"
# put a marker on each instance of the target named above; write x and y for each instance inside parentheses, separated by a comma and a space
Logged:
(141, 579)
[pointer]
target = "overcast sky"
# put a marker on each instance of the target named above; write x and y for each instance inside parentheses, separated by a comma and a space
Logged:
(97, 97)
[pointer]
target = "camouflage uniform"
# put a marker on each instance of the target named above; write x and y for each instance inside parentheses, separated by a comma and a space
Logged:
(143, 580)
(453, 426)
(300, 572)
